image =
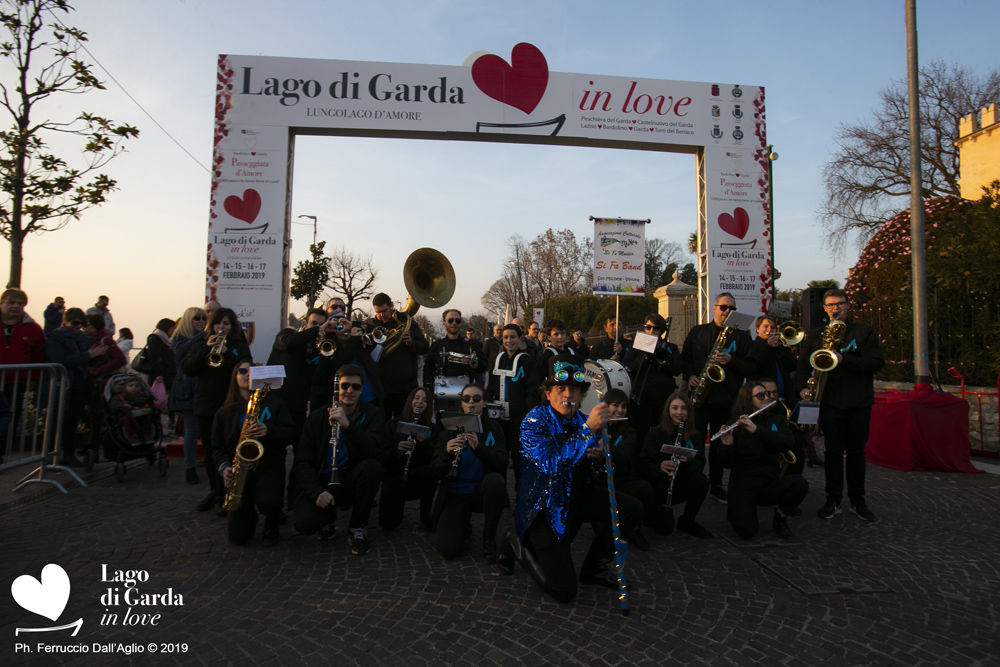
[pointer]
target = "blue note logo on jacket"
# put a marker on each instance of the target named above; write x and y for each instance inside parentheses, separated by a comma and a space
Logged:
(489, 441)
(729, 349)
(849, 348)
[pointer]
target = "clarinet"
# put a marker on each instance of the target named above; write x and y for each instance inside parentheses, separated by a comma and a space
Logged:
(453, 473)
(334, 436)
(676, 460)
(409, 452)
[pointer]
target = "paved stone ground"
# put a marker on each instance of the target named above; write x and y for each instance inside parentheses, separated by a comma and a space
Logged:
(918, 587)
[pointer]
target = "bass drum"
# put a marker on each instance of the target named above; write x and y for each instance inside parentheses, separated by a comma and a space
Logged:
(448, 393)
(603, 374)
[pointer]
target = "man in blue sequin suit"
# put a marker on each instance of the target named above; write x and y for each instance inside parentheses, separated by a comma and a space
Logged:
(563, 485)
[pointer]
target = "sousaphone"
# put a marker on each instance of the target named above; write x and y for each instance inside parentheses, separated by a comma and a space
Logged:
(430, 282)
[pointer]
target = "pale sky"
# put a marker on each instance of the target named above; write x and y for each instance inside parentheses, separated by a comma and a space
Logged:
(821, 63)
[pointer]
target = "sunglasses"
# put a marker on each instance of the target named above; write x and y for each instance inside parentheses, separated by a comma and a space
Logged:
(243, 371)
(356, 386)
(477, 398)
(725, 308)
(772, 393)
(761, 395)
(651, 327)
(199, 318)
(454, 321)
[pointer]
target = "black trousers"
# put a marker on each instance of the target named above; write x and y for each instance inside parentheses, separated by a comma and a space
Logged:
(746, 495)
(845, 432)
(421, 484)
(205, 434)
(708, 419)
(690, 489)
(640, 489)
(263, 492)
(358, 487)
(489, 498)
(589, 503)
(646, 414)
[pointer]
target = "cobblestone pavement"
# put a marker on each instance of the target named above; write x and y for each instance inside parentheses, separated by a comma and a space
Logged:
(918, 587)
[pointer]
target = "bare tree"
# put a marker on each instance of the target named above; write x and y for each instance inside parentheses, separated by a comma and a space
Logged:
(870, 171)
(41, 192)
(659, 255)
(352, 276)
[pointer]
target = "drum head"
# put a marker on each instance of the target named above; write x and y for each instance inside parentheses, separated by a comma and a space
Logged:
(603, 374)
(448, 393)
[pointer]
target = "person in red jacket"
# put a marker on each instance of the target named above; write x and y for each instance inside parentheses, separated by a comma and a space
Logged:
(24, 342)
(113, 359)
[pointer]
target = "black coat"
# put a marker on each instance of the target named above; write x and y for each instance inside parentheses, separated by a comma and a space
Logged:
(212, 384)
(397, 371)
(653, 374)
(182, 390)
(364, 438)
(161, 356)
(850, 384)
(624, 451)
(493, 459)
(771, 362)
(650, 456)
(393, 463)
(699, 343)
(755, 455)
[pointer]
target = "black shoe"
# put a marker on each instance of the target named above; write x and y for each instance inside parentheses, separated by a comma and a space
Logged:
(814, 461)
(663, 523)
(327, 532)
(506, 555)
(489, 550)
(780, 524)
(694, 528)
(207, 503)
(828, 510)
(271, 533)
(861, 509)
(357, 539)
(191, 476)
(601, 577)
(719, 494)
(639, 541)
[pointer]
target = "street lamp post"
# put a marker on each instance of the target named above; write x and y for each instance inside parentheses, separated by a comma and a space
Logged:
(771, 157)
(312, 259)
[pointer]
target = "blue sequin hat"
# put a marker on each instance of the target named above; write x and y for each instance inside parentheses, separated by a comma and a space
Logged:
(566, 370)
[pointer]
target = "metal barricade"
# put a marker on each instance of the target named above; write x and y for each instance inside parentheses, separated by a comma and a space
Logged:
(982, 451)
(38, 395)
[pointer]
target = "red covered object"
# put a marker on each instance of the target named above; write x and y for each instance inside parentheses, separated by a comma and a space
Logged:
(920, 430)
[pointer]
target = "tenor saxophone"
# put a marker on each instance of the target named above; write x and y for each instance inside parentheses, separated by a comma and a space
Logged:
(711, 372)
(248, 451)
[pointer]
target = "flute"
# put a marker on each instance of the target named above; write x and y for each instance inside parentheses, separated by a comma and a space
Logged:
(734, 425)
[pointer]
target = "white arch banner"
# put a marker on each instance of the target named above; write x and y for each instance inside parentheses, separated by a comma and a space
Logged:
(262, 103)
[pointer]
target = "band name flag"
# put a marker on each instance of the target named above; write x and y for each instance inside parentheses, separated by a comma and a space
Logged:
(619, 256)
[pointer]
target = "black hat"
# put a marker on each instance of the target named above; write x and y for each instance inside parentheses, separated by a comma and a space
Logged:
(566, 370)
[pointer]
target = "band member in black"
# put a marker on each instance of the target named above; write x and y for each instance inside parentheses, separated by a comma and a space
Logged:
(513, 384)
(845, 404)
(691, 485)
(579, 344)
(210, 360)
(773, 359)
(359, 446)
(397, 365)
(493, 345)
(609, 347)
(733, 359)
(298, 352)
(556, 332)
(479, 485)
(652, 376)
(350, 350)
(528, 344)
(264, 488)
(453, 342)
(409, 458)
(752, 452)
(561, 488)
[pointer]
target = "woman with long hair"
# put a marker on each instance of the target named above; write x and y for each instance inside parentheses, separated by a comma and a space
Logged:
(181, 399)
(411, 457)
(480, 484)
(264, 488)
(222, 332)
(752, 453)
(691, 485)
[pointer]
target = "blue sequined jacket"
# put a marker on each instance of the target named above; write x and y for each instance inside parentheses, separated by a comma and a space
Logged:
(552, 448)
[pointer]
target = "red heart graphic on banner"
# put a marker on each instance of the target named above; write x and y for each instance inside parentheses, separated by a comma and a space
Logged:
(245, 209)
(521, 84)
(599, 127)
(736, 224)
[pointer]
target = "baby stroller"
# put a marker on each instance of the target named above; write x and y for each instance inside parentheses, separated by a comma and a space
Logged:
(132, 432)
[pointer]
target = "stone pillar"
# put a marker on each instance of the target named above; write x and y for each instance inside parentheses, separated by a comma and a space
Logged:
(678, 301)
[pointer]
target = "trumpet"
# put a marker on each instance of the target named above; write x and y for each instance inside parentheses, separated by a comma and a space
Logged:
(791, 333)
(377, 336)
(215, 355)
(324, 346)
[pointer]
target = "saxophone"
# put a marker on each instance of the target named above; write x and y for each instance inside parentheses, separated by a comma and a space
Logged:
(248, 451)
(823, 360)
(711, 373)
